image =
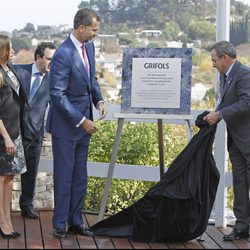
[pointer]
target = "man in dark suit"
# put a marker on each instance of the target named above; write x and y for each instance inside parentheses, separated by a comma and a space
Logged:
(73, 90)
(35, 81)
(234, 109)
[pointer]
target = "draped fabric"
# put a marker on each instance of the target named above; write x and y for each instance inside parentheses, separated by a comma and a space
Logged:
(178, 207)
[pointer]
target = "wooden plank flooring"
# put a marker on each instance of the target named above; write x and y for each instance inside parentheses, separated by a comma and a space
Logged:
(37, 234)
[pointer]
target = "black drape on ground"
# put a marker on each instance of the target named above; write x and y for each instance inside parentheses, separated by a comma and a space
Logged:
(178, 207)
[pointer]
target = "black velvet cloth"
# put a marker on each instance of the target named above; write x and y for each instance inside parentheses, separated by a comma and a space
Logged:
(178, 207)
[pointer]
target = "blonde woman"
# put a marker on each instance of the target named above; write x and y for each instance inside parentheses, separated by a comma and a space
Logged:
(12, 159)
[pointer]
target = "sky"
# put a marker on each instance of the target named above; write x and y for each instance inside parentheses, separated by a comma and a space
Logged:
(15, 14)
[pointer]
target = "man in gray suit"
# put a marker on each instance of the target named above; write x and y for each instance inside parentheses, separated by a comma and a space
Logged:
(35, 81)
(234, 109)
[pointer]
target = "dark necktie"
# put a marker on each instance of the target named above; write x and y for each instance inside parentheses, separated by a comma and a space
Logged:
(85, 58)
(35, 86)
(224, 81)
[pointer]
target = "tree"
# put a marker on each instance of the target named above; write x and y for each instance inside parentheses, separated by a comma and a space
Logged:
(103, 8)
(127, 39)
(19, 43)
(29, 27)
(84, 4)
(239, 31)
(198, 29)
(171, 31)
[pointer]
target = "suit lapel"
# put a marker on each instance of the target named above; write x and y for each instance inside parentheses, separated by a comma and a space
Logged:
(78, 62)
(8, 80)
(43, 82)
(22, 90)
(10, 65)
(27, 81)
(91, 60)
(230, 78)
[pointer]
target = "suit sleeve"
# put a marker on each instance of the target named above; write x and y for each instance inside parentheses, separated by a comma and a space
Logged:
(95, 90)
(59, 82)
(96, 93)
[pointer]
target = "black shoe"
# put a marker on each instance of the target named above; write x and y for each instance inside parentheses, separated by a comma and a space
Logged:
(12, 235)
(236, 235)
(29, 212)
(59, 233)
(81, 230)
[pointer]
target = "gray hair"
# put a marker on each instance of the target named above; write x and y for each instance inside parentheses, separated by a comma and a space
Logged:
(224, 48)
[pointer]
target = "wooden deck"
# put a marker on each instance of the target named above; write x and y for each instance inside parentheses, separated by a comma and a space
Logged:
(37, 234)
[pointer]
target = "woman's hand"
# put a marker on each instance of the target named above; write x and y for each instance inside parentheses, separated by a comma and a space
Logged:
(10, 146)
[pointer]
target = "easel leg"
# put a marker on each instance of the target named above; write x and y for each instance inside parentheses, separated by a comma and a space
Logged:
(111, 168)
(161, 147)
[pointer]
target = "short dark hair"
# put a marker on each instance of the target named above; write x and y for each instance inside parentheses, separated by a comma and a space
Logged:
(224, 48)
(41, 48)
(85, 17)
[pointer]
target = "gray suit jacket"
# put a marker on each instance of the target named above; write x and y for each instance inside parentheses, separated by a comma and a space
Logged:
(235, 106)
(34, 112)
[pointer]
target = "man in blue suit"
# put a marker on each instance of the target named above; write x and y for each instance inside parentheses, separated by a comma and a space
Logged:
(35, 81)
(73, 90)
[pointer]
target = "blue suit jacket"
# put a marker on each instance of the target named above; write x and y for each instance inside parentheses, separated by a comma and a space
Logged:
(72, 92)
(34, 112)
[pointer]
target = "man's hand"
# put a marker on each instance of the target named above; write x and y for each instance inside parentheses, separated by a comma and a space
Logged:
(212, 118)
(102, 110)
(89, 126)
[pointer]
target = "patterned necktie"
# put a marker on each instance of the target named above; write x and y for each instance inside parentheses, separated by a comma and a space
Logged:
(85, 58)
(35, 86)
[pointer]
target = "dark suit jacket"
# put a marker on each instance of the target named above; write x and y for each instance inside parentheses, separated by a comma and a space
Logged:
(72, 92)
(34, 112)
(10, 104)
(235, 106)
